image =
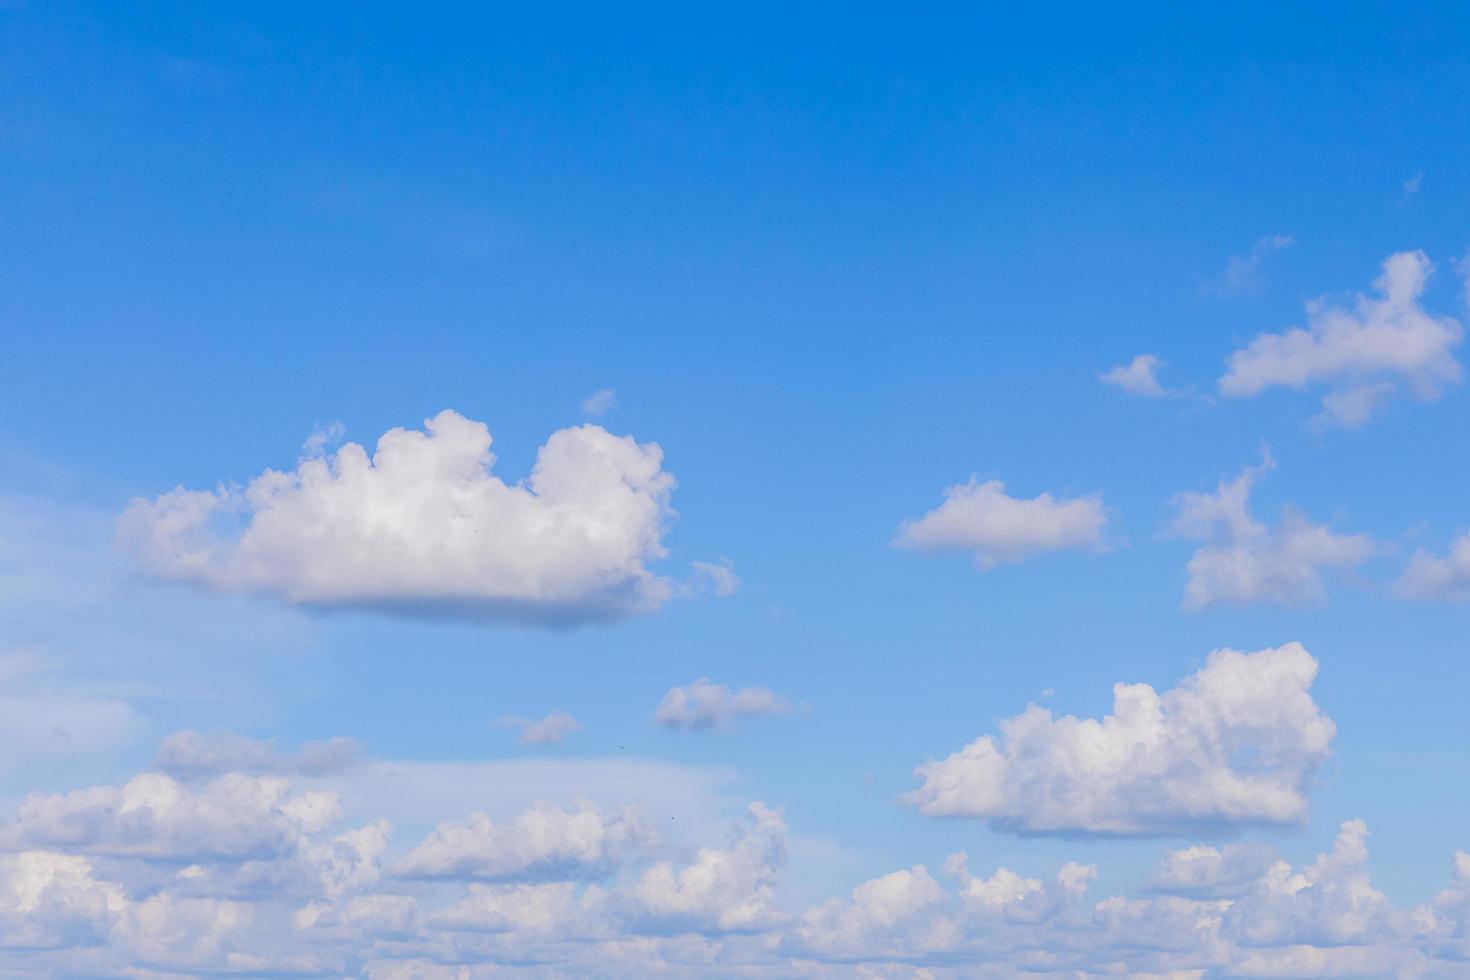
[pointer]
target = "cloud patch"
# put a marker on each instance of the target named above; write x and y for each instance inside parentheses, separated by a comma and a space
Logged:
(1363, 353)
(986, 522)
(422, 527)
(1242, 561)
(1235, 743)
(705, 705)
(545, 731)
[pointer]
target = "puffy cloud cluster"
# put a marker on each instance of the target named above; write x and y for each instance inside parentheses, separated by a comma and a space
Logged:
(1242, 561)
(982, 519)
(704, 705)
(1363, 354)
(545, 842)
(423, 527)
(1235, 743)
(154, 877)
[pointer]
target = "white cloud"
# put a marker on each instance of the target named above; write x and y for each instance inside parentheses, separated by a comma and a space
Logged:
(1390, 340)
(1430, 577)
(1232, 911)
(1242, 561)
(1243, 272)
(1138, 377)
(1412, 185)
(1235, 743)
(599, 402)
(423, 527)
(544, 843)
(189, 753)
(704, 705)
(546, 731)
(982, 519)
(156, 816)
(719, 577)
(723, 888)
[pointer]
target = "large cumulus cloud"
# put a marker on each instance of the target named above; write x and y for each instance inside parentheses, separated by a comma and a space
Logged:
(424, 527)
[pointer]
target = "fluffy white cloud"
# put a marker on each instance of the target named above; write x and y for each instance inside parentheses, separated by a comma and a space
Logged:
(191, 754)
(423, 527)
(155, 816)
(1139, 376)
(545, 731)
(1243, 561)
(1234, 911)
(1446, 579)
(723, 888)
(983, 519)
(1203, 871)
(704, 705)
(1235, 743)
(1389, 340)
(50, 900)
(545, 843)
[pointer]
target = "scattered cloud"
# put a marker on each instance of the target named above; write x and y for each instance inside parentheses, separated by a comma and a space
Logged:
(250, 875)
(1363, 353)
(600, 402)
(423, 528)
(1139, 376)
(1243, 273)
(547, 731)
(1242, 561)
(718, 577)
(982, 519)
(1412, 185)
(705, 705)
(190, 754)
(545, 843)
(1432, 578)
(1235, 743)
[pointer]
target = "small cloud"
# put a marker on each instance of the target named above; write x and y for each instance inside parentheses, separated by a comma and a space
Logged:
(324, 437)
(1412, 185)
(719, 578)
(600, 402)
(982, 519)
(548, 731)
(704, 705)
(1242, 273)
(1138, 377)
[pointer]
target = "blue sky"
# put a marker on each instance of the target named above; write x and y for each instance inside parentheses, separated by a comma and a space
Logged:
(831, 261)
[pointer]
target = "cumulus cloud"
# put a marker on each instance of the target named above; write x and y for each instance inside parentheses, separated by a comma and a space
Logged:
(1363, 353)
(423, 527)
(155, 816)
(1138, 377)
(544, 843)
(1432, 578)
(321, 906)
(189, 753)
(722, 888)
(704, 705)
(1242, 561)
(1243, 273)
(981, 518)
(546, 731)
(1235, 743)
